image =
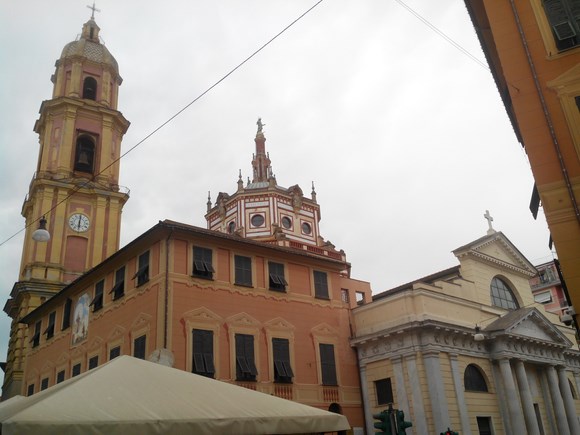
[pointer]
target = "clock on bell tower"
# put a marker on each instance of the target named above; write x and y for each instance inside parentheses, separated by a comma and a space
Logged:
(75, 186)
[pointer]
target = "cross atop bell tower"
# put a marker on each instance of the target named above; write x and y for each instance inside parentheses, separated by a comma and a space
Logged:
(75, 187)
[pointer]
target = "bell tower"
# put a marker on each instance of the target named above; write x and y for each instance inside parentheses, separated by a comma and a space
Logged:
(75, 187)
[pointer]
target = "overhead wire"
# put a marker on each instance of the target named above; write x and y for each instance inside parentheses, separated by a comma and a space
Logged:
(179, 112)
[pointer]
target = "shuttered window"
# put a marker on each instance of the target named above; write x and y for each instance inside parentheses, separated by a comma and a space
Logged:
(142, 273)
(97, 301)
(564, 18)
(277, 279)
(202, 262)
(320, 285)
(243, 270)
(118, 289)
(281, 355)
(327, 364)
(203, 353)
(245, 366)
(139, 345)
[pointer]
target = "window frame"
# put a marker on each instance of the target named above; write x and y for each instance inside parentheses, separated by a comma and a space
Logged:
(60, 376)
(246, 370)
(202, 264)
(499, 300)
(140, 346)
(202, 358)
(118, 289)
(276, 276)
(282, 367)
(554, 22)
(98, 299)
(93, 362)
(474, 380)
(242, 271)
(49, 331)
(384, 390)
(320, 280)
(328, 374)
(66, 313)
(76, 370)
(44, 384)
(142, 273)
(114, 352)
(35, 340)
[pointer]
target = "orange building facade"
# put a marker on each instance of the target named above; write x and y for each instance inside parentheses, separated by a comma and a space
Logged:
(156, 299)
(258, 298)
(533, 50)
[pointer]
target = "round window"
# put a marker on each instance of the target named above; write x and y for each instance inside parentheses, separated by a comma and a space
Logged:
(306, 228)
(287, 222)
(257, 220)
(231, 227)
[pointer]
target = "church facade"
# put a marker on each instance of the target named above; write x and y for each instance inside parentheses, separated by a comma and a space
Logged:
(258, 298)
(468, 348)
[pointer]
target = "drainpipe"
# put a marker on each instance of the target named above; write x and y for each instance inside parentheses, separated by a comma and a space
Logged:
(546, 113)
(166, 316)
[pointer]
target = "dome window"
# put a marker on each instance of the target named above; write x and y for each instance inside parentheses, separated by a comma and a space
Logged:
(90, 88)
(84, 154)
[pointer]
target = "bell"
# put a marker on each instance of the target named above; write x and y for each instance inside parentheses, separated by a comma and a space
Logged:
(83, 158)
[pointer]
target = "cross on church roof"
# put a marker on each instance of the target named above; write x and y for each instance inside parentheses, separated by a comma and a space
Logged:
(93, 8)
(489, 221)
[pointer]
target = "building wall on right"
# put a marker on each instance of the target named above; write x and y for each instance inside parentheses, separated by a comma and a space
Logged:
(533, 50)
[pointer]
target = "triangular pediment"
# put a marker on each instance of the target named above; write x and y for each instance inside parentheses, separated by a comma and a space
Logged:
(528, 323)
(324, 329)
(496, 249)
(243, 319)
(202, 314)
(570, 77)
(279, 323)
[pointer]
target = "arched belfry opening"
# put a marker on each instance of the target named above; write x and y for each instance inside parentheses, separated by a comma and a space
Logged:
(90, 88)
(84, 154)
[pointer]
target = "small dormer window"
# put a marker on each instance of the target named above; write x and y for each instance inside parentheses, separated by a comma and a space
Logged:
(502, 296)
(90, 88)
(85, 154)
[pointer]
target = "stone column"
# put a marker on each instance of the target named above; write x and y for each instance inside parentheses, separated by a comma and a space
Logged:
(513, 401)
(526, 398)
(364, 387)
(557, 402)
(420, 419)
(459, 394)
(402, 399)
(568, 401)
(436, 391)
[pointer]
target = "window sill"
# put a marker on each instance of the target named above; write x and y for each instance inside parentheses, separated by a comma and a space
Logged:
(243, 285)
(324, 298)
(279, 290)
(208, 278)
(139, 284)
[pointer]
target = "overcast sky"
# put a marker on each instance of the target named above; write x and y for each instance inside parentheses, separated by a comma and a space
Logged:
(405, 137)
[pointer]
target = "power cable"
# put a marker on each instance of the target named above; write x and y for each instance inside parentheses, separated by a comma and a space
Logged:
(179, 112)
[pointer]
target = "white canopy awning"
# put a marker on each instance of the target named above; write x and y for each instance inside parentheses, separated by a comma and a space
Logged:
(130, 396)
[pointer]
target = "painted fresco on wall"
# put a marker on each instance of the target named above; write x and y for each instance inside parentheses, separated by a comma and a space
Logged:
(80, 327)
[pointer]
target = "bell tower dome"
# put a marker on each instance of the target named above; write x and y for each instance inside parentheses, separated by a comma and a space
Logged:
(75, 187)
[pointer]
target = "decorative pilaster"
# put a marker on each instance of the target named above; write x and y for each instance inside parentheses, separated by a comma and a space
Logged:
(419, 418)
(402, 400)
(568, 400)
(459, 394)
(557, 402)
(436, 391)
(526, 398)
(513, 402)
(364, 387)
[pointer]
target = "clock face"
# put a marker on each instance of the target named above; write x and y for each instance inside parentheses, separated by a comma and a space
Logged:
(79, 222)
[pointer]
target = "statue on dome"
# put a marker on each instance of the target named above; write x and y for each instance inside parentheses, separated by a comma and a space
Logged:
(260, 125)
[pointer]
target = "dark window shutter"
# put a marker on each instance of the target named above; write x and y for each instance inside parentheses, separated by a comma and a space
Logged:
(139, 347)
(535, 202)
(282, 367)
(66, 314)
(246, 369)
(320, 284)
(203, 352)
(327, 364)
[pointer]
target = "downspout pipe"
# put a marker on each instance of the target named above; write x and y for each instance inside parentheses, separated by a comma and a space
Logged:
(546, 112)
